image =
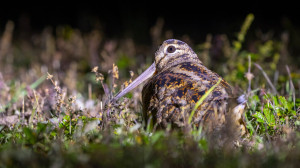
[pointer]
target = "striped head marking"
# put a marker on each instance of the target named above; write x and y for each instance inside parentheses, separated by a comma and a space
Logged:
(173, 52)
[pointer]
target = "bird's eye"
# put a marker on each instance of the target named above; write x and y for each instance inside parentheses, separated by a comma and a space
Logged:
(171, 49)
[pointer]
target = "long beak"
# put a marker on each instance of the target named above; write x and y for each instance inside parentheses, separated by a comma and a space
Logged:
(140, 79)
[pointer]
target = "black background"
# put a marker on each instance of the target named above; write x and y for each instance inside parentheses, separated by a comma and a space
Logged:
(119, 18)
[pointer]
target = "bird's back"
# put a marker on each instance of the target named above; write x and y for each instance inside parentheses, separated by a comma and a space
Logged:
(170, 95)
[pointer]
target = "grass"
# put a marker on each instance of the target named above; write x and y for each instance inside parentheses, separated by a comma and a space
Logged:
(69, 121)
(200, 101)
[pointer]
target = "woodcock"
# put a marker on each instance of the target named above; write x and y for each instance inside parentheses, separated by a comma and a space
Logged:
(177, 80)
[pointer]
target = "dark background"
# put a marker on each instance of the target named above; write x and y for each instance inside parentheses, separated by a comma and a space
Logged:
(119, 19)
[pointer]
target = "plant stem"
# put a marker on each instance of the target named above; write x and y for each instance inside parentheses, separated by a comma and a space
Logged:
(200, 101)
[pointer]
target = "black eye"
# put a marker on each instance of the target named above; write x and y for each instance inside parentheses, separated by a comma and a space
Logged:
(171, 49)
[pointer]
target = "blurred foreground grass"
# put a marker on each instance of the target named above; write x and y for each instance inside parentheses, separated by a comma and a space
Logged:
(67, 120)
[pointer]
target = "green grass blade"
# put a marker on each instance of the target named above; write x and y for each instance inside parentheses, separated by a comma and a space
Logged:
(200, 101)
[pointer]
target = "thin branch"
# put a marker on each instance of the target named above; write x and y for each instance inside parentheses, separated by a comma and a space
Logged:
(249, 72)
(292, 86)
(267, 78)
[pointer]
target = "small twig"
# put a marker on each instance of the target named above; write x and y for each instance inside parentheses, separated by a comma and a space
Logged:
(90, 91)
(267, 78)
(249, 72)
(292, 86)
(276, 75)
(257, 128)
(23, 111)
(37, 104)
(267, 133)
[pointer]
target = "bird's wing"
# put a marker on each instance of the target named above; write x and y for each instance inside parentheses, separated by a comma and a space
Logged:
(172, 94)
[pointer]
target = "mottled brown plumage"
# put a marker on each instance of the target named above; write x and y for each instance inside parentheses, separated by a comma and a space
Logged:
(179, 82)
(178, 79)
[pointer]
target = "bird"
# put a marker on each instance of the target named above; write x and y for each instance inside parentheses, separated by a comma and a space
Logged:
(174, 84)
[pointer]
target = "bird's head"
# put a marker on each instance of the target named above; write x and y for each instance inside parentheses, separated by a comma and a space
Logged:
(173, 52)
(170, 53)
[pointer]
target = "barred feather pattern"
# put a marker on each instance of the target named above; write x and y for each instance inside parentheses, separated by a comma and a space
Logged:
(179, 82)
